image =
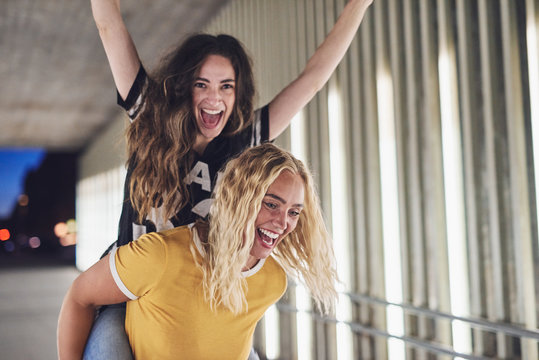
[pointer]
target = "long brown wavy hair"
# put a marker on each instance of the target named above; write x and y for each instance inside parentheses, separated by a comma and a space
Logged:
(160, 139)
(228, 236)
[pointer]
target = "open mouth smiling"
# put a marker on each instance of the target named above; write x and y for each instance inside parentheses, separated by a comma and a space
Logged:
(211, 118)
(267, 237)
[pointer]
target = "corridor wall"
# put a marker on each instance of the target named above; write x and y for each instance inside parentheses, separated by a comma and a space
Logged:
(424, 146)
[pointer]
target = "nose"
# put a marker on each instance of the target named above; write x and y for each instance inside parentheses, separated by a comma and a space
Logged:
(214, 95)
(279, 220)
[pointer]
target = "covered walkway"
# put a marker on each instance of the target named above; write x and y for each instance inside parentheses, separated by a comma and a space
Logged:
(30, 300)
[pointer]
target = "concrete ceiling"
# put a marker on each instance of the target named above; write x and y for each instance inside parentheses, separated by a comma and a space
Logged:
(56, 89)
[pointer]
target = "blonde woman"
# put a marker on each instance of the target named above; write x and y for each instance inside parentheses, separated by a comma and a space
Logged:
(198, 291)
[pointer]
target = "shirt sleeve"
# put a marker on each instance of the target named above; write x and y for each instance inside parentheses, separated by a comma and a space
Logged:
(134, 102)
(138, 266)
(260, 127)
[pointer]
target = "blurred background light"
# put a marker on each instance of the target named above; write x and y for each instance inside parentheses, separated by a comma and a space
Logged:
(9, 246)
(60, 229)
(23, 200)
(71, 226)
(69, 239)
(66, 232)
(4, 234)
(34, 242)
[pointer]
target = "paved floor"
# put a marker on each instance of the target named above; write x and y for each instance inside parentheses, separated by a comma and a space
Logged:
(30, 300)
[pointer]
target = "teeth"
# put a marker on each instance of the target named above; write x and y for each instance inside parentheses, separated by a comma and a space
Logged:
(269, 234)
(211, 112)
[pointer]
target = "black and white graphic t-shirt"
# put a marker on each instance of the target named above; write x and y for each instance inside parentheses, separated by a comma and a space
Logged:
(201, 179)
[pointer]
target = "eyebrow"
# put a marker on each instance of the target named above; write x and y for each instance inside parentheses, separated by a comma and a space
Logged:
(222, 81)
(280, 199)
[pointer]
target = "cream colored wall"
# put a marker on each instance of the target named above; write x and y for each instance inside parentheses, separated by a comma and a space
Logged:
(434, 131)
(106, 151)
(100, 192)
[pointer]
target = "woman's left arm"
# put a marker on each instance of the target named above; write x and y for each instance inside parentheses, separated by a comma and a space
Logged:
(92, 288)
(318, 69)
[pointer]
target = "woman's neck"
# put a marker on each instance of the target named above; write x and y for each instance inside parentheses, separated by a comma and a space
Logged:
(251, 263)
(200, 144)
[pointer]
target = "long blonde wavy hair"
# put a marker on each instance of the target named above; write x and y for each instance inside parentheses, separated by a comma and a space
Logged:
(161, 138)
(305, 253)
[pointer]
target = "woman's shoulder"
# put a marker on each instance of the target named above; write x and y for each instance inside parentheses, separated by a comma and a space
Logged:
(274, 264)
(180, 234)
(271, 278)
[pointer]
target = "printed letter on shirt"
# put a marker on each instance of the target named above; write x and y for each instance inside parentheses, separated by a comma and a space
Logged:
(204, 179)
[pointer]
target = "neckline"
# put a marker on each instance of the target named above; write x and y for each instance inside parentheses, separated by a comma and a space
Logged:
(212, 145)
(200, 249)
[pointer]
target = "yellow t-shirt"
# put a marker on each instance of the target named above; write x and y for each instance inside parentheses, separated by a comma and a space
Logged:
(168, 317)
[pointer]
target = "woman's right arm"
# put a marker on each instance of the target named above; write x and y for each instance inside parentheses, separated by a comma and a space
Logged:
(92, 288)
(121, 52)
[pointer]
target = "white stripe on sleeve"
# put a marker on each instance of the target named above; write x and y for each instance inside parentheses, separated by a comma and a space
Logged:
(117, 280)
(257, 128)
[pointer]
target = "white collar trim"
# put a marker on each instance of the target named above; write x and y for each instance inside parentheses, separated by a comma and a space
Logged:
(200, 249)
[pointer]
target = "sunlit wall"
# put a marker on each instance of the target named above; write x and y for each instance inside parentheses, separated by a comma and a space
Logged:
(100, 193)
(423, 145)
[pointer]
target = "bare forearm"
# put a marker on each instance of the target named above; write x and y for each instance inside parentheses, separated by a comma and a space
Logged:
(119, 47)
(318, 69)
(74, 324)
(92, 288)
(105, 10)
(330, 53)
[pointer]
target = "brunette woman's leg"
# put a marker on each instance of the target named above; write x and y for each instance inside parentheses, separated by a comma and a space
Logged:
(108, 340)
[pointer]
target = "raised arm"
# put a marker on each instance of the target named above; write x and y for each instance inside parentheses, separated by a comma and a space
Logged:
(92, 288)
(318, 69)
(119, 47)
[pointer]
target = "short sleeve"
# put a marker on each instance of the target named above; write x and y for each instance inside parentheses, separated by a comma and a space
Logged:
(134, 102)
(260, 127)
(138, 266)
